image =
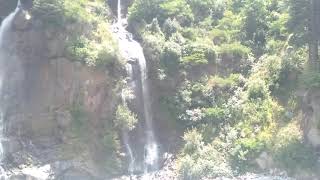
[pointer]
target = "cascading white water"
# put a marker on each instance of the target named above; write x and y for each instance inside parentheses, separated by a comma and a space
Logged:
(132, 50)
(4, 32)
(125, 135)
(4, 29)
(151, 147)
(119, 13)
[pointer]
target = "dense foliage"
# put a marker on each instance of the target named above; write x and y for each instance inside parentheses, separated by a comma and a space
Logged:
(236, 67)
(88, 34)
(232, 67)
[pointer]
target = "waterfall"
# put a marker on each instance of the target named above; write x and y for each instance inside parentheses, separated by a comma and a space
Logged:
(125, 135)
(119, 14)
(132, 51)
(4, 30)
(151, 147)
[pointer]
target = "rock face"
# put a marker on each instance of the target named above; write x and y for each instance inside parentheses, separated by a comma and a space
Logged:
(6, 7)
(265, 161)
(45, 96)
(311, 122)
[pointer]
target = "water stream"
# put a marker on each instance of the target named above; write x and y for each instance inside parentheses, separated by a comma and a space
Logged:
(4, 30)
(131, 50)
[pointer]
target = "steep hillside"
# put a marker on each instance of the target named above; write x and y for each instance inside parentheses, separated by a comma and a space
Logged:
(186, 89)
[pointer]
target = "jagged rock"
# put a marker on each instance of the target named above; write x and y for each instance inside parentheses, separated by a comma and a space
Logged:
(6, 7)
(26, 4)
(40, 94)
(22, 20)
(56, 47)
(311, 121)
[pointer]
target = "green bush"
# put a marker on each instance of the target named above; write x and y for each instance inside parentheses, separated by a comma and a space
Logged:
(201, 161)
(124, 118)
(153, 46)
(50, 12)
(310, 79)
(202, 9)
(214, 115)
(257, 89)
(98, 49)
(198, 54)
(61, 12)
(231, 23)
(79, 120)
(235, 49)
(170, 57)
(219, 36)
(111, 161)
(178, 9)
(89, 37)
(220, 82)
(170, 26)
(154, 27)
(289, 151)
(145, 10)
(177, 38)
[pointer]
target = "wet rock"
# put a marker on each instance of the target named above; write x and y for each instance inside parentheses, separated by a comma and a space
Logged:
(26, 4)
(56, 47)
(22, 20)
(310, 123)
(40, 93)
(6, 7)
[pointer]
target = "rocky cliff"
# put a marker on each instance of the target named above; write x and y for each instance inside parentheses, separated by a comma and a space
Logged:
(57, 113)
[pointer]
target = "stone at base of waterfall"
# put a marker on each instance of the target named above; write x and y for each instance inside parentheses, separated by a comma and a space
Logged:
(132, 61)
(31, 173)
(22, 20)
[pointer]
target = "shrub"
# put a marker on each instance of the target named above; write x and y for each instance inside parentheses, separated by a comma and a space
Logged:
(60, 12)
(200, 161)
(214, 115)
(203, 9)
(235, 49)
(111, 161)
(289, 151)
(189, 33)
(220, 82)
(79, 119)
(179, 9)
(94, 45)
(193, 141)
(231, 23)
(145, 10)
(153, 46)
(268, 70)
(154, 27)
(310, 79)
(98, 50)
(219, 36)
(257, 89)
(177, 38)
(170, 57)
(124, 118)
(170, 26)
(50, 12)
(198, 54)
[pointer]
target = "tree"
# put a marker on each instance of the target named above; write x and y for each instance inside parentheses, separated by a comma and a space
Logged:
(304, 22)
(314, 31)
